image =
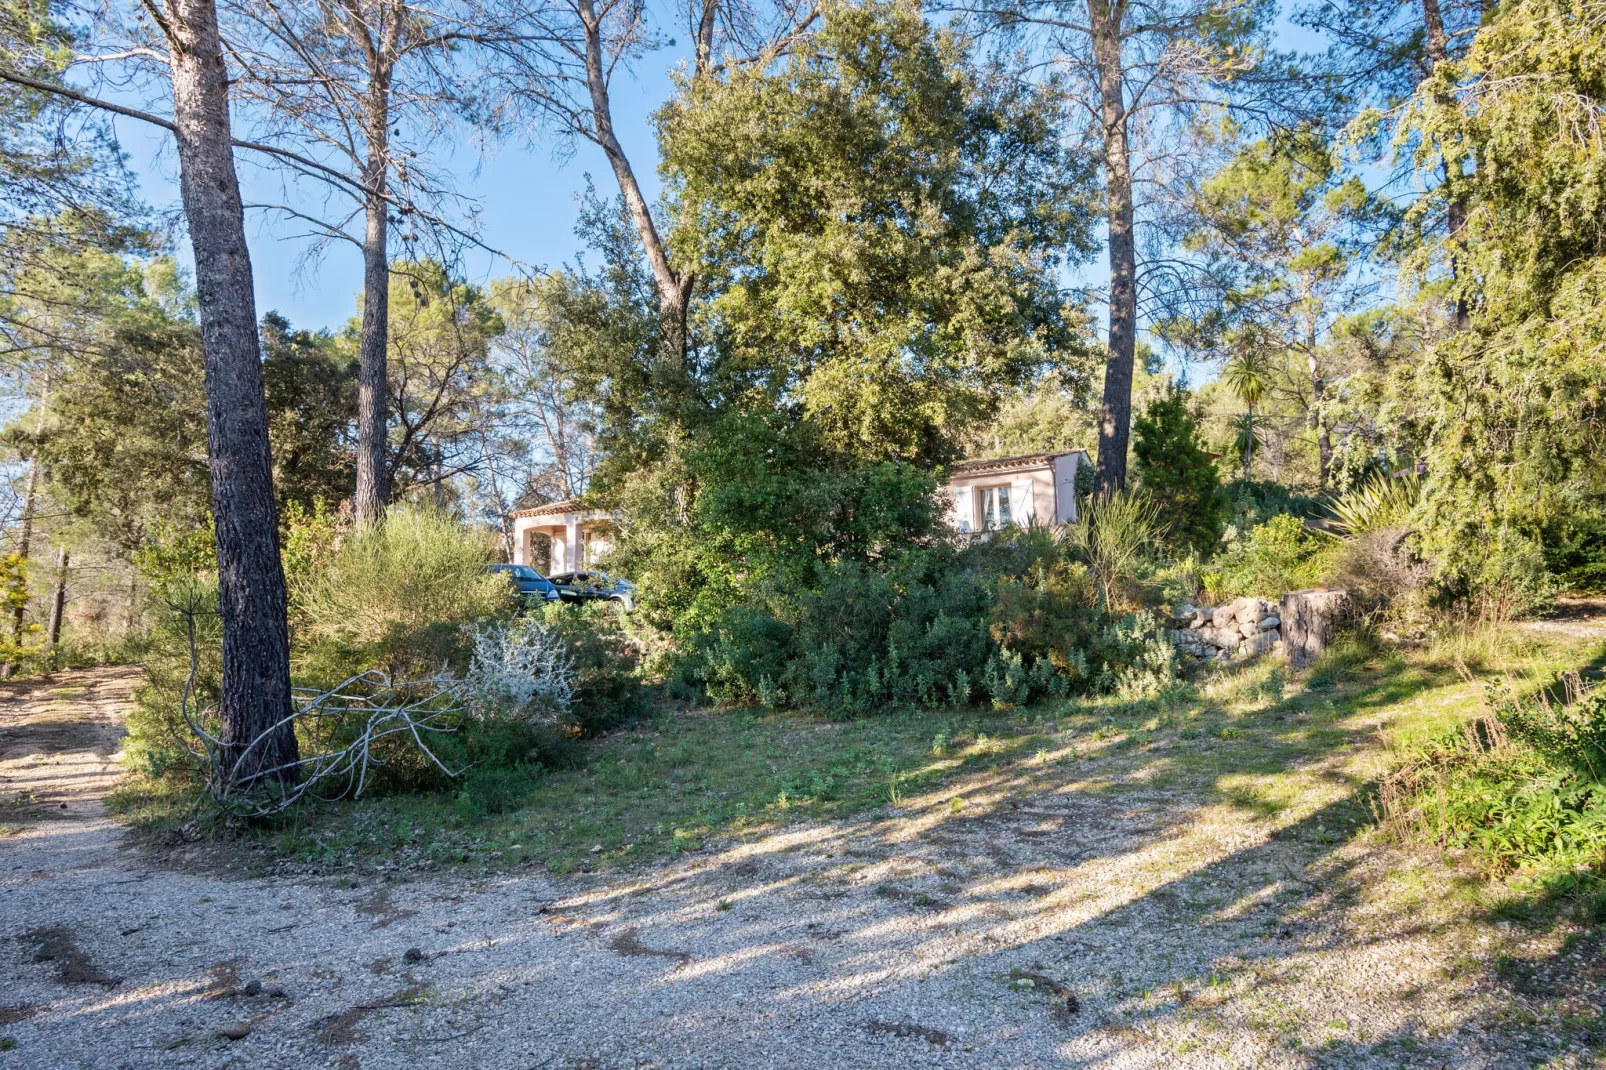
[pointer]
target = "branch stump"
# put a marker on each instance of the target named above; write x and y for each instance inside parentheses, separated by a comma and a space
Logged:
(1309, 621)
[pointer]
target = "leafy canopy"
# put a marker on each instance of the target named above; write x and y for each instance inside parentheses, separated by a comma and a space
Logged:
(877, 227)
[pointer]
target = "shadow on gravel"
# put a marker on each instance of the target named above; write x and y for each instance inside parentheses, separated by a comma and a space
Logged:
(1044, 877)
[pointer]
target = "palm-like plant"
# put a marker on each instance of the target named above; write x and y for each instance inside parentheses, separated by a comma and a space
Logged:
(1380, 502)
(1246, 438)
(1248, 374)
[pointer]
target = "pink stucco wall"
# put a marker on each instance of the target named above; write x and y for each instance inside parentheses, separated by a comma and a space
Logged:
(1051, 485)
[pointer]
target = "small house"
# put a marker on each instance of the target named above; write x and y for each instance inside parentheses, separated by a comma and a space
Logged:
(560, 536)
(1015, 491)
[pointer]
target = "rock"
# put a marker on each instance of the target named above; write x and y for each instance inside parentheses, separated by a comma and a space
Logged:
(1182, 614)
(1269, 623)
(1225, 638)
(1200, 617)
(1222, 616)
(1250, 610)
(254, 988)
(235, 1031)
(1261, 643)
(413, 954)
(1248, 628)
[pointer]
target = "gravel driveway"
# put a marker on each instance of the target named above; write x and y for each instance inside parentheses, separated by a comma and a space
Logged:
(1125, 927)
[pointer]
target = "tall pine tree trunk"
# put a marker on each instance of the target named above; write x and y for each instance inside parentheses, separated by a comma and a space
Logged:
(30, 495)
(255, 697)
(1318, 391)
(373, 474)
(674, 288)
(1249, 442)
(1115, 418)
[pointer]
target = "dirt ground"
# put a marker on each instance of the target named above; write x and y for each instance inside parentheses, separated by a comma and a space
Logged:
(1126, 926)
(59, 740)
(1574, 617)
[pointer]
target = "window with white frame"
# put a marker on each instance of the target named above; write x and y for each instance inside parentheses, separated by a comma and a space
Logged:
(994, 507)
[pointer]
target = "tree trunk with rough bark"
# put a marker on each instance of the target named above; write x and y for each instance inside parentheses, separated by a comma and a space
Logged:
(58, 604)
(1324, 434)
(1249, 442)
(30, 495)
(1318, 392)
(257, 743)
(1310, 619)
(1115, 417)
(373, 472)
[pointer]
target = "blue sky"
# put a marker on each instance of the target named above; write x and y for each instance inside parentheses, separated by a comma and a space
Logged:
(527, 194)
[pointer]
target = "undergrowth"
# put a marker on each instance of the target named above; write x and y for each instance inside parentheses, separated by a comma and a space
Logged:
(1519, 791)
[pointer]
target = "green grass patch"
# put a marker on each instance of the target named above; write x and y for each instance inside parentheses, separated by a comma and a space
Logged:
(1257, 738)
(643, 793)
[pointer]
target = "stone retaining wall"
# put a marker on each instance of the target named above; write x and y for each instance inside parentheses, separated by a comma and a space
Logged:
(1242, 628)
(1247, 627)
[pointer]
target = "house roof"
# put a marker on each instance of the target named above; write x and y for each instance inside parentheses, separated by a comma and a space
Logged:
(567, 505)
(1004, 464)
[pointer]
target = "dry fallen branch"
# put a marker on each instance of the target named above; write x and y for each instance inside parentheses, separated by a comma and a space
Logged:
(370, 703)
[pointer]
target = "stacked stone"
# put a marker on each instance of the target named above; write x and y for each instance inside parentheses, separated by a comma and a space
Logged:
(1241, 629)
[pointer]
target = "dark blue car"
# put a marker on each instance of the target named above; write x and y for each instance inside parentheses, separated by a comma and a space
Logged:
(531, 586)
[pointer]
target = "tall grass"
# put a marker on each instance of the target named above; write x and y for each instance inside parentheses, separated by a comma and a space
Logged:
(1118, 532)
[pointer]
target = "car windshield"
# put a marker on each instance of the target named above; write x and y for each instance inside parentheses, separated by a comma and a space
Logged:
(523, 572)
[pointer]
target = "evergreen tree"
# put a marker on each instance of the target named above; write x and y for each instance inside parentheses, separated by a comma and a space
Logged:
(1177, 474)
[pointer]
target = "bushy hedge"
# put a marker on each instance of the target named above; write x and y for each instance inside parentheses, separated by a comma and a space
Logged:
(1009, 621)
(1279, 555)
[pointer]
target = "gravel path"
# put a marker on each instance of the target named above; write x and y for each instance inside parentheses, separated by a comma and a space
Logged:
(1124, 927)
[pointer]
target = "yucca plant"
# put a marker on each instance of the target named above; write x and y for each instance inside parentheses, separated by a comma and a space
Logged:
(1380, 502)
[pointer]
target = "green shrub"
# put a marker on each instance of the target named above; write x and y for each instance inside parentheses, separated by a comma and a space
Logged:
(180, 572)
(1520, 789)
(1255, 501)
(1013, 620)
(778, 573)
(1178, 475)
(607, 683)
(1575, 550)
(1511, 581)
(396, 596)
(1279, 555)
(13, 598)
(865, 638)
(1571, 733)
(1116, 538)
